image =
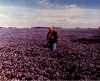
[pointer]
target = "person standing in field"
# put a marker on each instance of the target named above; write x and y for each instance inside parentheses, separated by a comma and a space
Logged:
(52, 37)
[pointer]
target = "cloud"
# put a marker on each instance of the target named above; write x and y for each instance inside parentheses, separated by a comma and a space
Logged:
(68, 16)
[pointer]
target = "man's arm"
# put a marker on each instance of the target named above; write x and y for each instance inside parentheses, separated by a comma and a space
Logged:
(56, 35)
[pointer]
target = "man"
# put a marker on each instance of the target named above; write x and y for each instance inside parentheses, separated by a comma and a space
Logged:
(52, 37)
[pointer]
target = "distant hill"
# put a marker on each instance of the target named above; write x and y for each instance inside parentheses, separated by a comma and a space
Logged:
(40, 27)
(1, 27)
(45, 27)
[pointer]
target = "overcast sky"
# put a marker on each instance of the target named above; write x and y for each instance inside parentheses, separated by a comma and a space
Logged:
(62, 13)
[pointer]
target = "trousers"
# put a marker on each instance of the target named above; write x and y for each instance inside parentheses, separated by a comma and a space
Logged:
(52, 46)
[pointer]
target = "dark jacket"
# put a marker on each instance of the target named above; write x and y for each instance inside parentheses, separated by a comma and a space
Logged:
(52, 37)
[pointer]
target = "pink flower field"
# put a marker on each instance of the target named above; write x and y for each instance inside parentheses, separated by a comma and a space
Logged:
(23, 56)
